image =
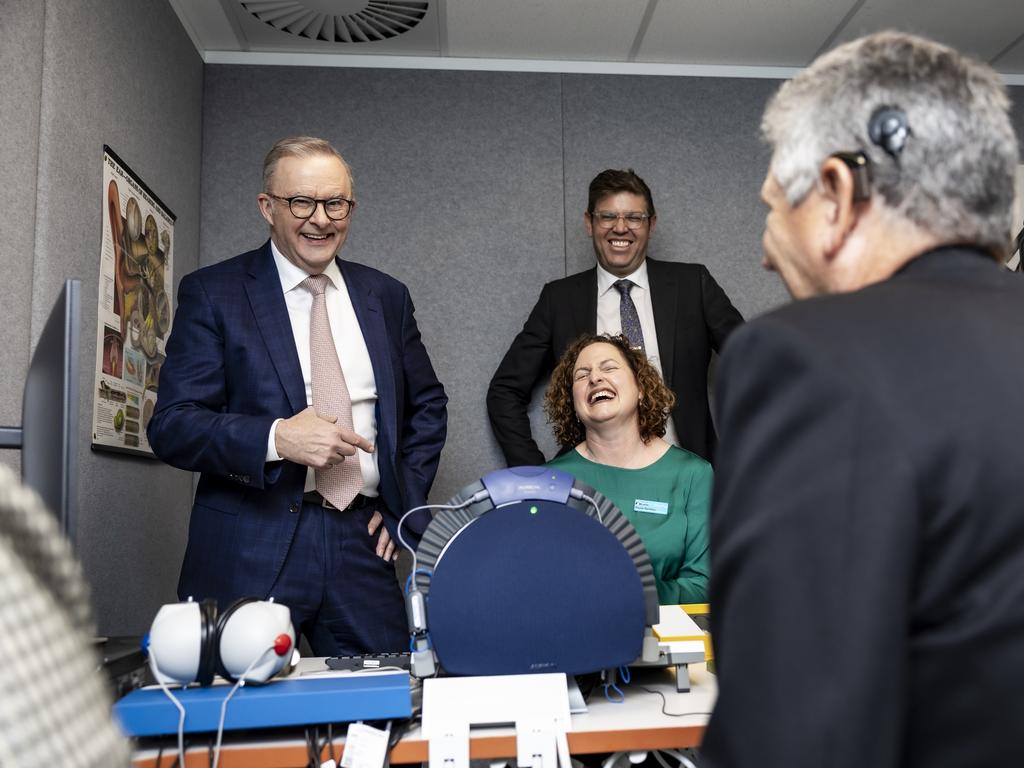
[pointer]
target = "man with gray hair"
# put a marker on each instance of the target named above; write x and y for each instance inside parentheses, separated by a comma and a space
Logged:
(867, 530)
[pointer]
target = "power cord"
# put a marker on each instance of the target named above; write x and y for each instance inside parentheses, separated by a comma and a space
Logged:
(576, 493)
(224, 704)
(174, 700)
(664, 705)
(478, 496)
(154, 666)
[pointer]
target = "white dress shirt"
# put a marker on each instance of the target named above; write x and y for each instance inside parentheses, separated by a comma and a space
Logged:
(609, 319)
(352, 353)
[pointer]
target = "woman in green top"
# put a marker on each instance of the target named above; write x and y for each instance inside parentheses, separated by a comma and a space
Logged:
(609, 405)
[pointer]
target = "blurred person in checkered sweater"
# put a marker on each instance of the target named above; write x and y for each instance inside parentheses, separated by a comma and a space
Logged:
(54, 703)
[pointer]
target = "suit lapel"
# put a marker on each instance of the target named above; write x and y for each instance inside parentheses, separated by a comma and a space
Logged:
(263, 288)
(664, 298)
(584, 303)
(366, 303)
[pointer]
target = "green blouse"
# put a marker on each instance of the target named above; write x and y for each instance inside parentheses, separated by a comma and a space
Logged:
(668, 503)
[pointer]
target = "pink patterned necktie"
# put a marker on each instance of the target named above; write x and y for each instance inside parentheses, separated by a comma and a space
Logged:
(340, 483)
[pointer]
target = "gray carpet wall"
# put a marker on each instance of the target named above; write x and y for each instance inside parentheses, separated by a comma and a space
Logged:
(78, 76)
(21, 61)
(471, 188)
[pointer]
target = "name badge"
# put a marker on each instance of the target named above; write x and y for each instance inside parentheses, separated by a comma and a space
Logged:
(651, 507)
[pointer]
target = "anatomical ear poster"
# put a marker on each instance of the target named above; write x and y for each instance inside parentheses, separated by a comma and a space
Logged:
(134, 312)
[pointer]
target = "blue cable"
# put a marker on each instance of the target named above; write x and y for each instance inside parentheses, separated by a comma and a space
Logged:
(419, 572)
(614, 687)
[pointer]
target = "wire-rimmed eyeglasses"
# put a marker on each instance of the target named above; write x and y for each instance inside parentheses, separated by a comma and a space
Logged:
(608, 219)
(302, 207)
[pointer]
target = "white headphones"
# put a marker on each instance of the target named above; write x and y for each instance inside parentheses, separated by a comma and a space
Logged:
(252, 640)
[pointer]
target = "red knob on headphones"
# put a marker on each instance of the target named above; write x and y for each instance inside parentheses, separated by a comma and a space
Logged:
(282, 644)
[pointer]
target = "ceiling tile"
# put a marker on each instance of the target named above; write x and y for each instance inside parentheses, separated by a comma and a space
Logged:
(784, 33)
(208, 24)
(1013, 59)
(981, 28)
(582, 30)
(779, 33)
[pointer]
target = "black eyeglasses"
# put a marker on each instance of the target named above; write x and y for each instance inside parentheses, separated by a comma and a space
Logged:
(608, 219)
(302, 207)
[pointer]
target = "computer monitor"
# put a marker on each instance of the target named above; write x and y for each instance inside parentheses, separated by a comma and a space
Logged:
(49, 411)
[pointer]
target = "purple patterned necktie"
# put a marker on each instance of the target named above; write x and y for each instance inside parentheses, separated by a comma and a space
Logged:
(340, 483)
(628, 315)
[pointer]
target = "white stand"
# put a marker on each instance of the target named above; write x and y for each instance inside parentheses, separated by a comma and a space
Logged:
(538, 706)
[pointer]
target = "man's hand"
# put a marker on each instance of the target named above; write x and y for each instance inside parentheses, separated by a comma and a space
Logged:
(385, 546)
(316, 441)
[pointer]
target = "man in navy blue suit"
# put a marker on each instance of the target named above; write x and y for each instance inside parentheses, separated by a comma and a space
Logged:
(236, 404)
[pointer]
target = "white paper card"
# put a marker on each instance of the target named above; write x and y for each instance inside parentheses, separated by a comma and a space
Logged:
(365, 747)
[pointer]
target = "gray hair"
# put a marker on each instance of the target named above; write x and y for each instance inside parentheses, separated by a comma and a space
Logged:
(954, 177)
(300, 146)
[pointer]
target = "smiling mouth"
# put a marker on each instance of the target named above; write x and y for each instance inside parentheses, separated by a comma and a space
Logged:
(315, 237)
(620, 243)
(600, 396)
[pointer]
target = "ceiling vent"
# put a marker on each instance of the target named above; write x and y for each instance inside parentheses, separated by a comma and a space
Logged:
(359, 21)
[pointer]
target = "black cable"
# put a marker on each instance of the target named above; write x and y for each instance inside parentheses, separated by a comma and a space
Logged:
(311, 761)
(321, 746)
(314, 758)
(664, 705)
(327, 745)
(398, 729)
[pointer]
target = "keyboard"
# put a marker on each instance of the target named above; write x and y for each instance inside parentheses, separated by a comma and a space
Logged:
(370, 661)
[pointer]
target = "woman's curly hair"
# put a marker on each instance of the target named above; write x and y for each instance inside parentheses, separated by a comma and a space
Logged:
(656, 400)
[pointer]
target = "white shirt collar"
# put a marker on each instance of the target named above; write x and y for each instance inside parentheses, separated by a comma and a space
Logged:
(606, 279)
(292, 276)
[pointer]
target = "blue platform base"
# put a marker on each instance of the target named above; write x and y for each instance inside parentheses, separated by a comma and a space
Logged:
(300, 701)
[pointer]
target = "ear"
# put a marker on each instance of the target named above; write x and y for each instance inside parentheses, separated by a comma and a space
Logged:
(840, 210)
(650, 224)
(589, 224)
(266, 207)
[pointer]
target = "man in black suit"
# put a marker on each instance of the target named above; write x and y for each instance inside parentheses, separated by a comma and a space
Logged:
(676, 312)
(868, 530)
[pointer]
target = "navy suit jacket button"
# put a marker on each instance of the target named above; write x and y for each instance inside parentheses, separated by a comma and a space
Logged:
(293, 507)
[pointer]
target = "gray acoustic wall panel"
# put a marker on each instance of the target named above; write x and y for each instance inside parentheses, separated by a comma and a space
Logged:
(472, 188)
(21, 61)
(122, 73)
(458, 178)
(1017, 114)
(695, 142)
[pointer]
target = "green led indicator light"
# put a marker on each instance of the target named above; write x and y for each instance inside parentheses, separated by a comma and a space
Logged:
(533, 510)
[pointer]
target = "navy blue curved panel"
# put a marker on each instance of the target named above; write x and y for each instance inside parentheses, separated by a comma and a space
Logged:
(524, 588)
